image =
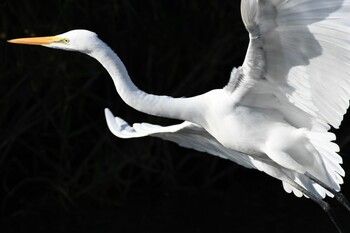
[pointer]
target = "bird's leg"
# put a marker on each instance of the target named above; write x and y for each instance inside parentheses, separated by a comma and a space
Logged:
(338, 196)
(324, 205)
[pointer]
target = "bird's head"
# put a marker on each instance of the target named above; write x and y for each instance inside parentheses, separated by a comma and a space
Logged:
(76, 40)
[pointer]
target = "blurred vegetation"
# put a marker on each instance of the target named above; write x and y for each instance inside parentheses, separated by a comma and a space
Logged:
(60, 167)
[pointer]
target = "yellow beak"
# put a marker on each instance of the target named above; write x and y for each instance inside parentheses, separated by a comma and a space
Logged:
(36, 40)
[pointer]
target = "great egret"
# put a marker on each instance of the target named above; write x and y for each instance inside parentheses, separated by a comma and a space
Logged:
(276, 110)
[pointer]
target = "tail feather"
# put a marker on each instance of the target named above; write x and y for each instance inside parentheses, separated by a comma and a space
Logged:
(307, 184)
(326, 167)
(327, 150)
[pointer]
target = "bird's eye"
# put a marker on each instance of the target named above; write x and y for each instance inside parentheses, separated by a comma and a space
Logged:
(64, 41)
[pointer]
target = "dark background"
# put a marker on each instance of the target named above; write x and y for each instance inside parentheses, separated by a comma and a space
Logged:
(61, 170)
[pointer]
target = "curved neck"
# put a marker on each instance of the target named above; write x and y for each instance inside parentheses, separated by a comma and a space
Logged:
(164, 106)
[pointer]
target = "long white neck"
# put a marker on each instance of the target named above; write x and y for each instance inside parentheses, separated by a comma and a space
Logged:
(164, 106)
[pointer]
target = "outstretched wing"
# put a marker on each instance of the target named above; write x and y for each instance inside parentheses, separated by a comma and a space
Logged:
(298, 63)
(298, 60)
(186, 134)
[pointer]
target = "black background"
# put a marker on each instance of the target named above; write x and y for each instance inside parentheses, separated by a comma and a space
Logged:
(61, 170)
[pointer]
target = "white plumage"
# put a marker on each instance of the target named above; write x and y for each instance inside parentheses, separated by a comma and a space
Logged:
(297, 64)
(276, 110)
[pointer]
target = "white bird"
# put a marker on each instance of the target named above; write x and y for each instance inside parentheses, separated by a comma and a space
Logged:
(277, 108)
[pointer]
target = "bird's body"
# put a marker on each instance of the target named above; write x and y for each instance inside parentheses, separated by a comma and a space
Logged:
(249, 126)
(275, 112)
